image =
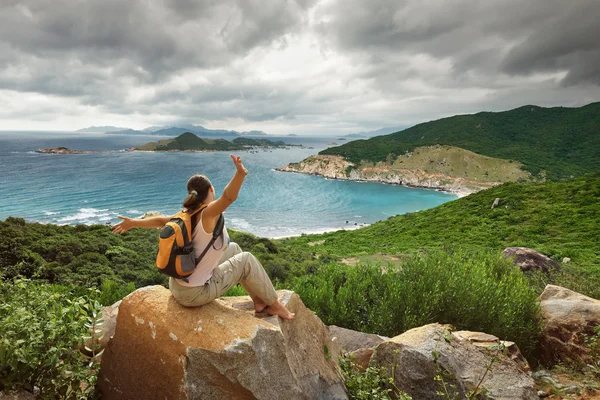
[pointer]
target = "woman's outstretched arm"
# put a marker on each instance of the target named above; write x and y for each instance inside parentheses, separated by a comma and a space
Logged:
(129, 223)
(230, 194)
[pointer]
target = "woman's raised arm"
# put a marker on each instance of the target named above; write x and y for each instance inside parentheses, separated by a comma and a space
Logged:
(230, 194)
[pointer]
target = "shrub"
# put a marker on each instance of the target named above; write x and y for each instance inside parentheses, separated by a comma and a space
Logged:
(370, 384)
(473, 291)
(111, 291)
(40, 328)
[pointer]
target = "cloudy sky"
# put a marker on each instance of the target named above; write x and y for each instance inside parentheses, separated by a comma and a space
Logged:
(289, 66)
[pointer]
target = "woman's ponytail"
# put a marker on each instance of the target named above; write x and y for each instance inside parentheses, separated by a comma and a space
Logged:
(198, 186)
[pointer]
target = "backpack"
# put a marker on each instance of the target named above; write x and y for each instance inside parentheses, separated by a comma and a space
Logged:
(175, 256)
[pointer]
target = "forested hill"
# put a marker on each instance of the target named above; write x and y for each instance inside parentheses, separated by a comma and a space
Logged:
(560, 141)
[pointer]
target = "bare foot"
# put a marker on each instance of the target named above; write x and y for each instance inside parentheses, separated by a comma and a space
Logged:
(279, 309)
(259, 306)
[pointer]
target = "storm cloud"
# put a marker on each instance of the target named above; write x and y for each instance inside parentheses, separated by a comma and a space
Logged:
(301, 66)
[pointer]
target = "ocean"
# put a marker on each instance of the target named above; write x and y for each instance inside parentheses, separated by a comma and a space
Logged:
(95, 188)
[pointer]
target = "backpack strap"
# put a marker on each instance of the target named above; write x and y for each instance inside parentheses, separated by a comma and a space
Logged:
(218, 231)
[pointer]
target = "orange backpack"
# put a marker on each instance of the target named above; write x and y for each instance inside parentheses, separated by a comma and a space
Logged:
(175, 256)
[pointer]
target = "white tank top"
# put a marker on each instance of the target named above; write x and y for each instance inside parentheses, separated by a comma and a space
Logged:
(211, 259)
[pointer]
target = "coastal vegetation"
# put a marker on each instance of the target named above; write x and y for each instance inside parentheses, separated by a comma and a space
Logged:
(438, 265)
(190, 142)
(554, 143)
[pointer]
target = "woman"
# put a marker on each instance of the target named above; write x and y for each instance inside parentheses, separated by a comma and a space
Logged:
(225, 264)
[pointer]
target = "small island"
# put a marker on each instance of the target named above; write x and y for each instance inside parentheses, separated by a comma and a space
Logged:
(190, 142)
(61, 150)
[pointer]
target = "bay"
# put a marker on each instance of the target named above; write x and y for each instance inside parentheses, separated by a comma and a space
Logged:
(95, 188)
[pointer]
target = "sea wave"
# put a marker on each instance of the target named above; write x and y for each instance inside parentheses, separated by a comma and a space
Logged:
(89, 216)
(51, 213)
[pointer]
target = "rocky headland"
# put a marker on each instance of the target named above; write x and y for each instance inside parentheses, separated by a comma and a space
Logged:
(444, 168)
(62, 150)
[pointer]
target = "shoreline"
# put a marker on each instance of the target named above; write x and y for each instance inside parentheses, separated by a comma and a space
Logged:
(316, 232)
(109, 223)
(458, 193)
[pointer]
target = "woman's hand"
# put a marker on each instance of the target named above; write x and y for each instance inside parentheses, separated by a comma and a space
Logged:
(237, 160)
(124, 225)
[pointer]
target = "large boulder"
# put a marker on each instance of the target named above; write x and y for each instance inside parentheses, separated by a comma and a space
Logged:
(491, 342)
(530, 260)
(411, 359)
(357, 346)
(350, 340)
(568, 318)
(161, 350)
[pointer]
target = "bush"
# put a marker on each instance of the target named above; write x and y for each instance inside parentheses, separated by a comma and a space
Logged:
(40, 328)
(473, 291)
(370, 384)
(111, 291)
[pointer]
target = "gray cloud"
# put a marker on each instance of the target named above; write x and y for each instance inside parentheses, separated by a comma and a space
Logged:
(301, 64)
(490, 37)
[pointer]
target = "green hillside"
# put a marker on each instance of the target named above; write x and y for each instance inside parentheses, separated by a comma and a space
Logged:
(560, 219)
(243, 141)
(560, 141)
(190, 142)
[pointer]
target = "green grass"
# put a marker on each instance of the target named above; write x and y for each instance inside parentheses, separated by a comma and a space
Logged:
(560, 141)
(559, 219)
(477, 291)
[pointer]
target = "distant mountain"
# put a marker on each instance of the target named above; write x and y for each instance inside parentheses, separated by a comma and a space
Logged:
(100, 129)
(171, 130)
(128, 132)
(155, 128)
(378, 132)
(550, 143)
(253, 133)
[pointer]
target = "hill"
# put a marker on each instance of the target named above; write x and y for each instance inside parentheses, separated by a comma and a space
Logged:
(101, 129)
(245, 141)
(550, 142)
(560, 219)
(190, 142)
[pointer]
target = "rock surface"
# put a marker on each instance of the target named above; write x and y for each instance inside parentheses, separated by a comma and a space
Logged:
(17, 395)
(350, 340)
(437, 167)
(219, 351)
(491, 342)
(568, 317)
(528, 259)
(61, 150)
(415, 370)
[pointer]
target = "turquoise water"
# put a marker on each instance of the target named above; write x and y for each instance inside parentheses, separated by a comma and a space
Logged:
(95, 188)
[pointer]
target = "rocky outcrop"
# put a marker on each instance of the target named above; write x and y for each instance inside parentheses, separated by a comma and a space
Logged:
(336, 167)
(61, 150)
(491, 342)
(530, 260)
(218, 351)
(568, 317)
(410, 357)
(350, 340)
(357, 346)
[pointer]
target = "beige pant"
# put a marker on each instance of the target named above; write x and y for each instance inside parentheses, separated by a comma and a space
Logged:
(236, 266)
